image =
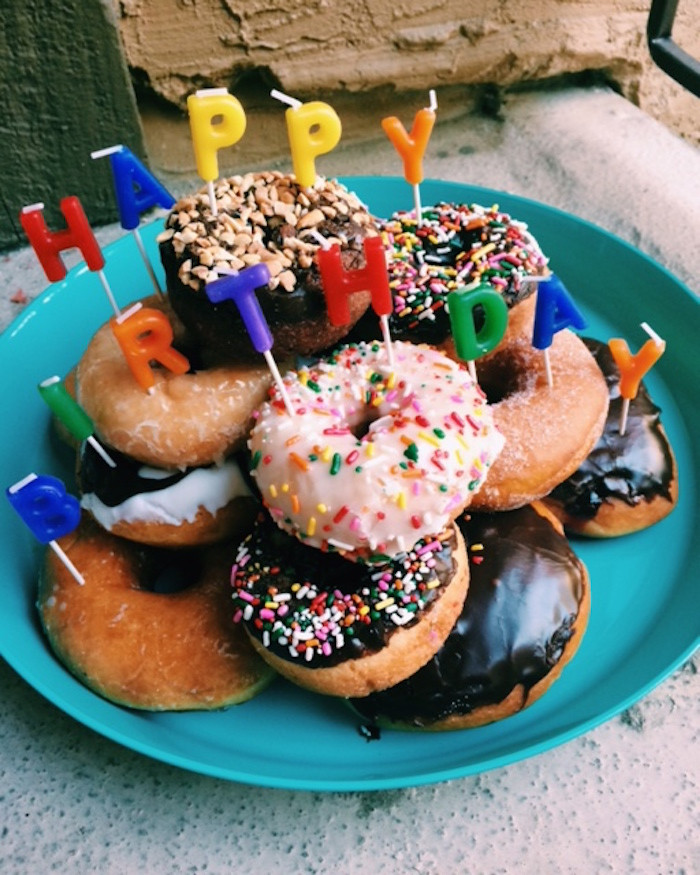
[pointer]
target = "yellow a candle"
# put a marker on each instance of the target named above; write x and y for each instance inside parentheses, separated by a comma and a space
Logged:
(208, 135)
(313, 129)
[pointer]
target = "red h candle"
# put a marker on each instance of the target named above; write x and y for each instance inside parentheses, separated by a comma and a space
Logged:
(48, 245)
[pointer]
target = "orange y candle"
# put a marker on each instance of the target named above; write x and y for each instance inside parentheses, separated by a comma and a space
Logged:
(313, 129)
(411, 147)
(217, 120)
(634, 367)
(145, 335)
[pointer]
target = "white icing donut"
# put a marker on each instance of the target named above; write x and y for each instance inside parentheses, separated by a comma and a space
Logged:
(374, 457)
(211, 488)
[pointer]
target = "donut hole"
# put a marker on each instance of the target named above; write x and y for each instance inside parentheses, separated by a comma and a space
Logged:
(502, 376)
(362, 426)
(170, 571)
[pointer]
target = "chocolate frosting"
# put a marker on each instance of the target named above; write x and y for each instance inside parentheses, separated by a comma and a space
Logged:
(524, 593)
(634, 467)
(320, 609)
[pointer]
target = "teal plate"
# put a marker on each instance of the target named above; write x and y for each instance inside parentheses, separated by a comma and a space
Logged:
(645, 618)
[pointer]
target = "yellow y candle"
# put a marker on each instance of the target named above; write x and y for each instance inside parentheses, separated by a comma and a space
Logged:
(217, 120)
(313, 129)
(634, 367)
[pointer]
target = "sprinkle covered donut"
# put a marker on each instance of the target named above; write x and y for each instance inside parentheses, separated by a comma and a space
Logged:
(374, 457)
(345, 628)
(456, 246)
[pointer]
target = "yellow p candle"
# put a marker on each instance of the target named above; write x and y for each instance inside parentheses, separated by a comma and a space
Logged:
(217, 120)
(313, 129)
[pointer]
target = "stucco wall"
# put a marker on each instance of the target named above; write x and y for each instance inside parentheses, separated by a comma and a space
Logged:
(320, 46)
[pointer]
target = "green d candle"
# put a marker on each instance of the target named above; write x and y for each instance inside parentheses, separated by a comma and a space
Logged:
(71, 414)
(471, 344)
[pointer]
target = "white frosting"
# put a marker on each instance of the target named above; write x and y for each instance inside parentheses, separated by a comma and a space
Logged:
(209, 488)
(428, 443)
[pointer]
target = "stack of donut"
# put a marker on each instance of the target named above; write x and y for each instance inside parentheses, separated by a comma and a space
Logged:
(367, 525)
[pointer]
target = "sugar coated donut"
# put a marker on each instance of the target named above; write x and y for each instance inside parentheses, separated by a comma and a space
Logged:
(548, 430)
(147, 649)
(344, 628)
(522, 621)
(455, 246)
(375, 456)
(186, 421)
(166, 507)
(628, 482)
(262, 218)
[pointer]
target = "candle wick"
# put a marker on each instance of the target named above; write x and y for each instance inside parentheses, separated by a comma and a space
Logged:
(285, 98)
(654, 336)
(433, 100)
(319, 238)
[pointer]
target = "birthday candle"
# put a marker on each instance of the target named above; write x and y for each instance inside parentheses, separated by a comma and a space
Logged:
(463, 304)
(71, 414)
(240, 287)
(411, 147)
(338, 284)
(145, 335)
(209, 136)
(78, 234)
(136, 190)
(48, 511)
(633, 367)
(554, 311)
(313, 129)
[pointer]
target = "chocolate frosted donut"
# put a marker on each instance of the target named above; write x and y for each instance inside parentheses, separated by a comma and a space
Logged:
(456, 245)
(522, 621)
(629, 481)
(345, 628)
(262, 217)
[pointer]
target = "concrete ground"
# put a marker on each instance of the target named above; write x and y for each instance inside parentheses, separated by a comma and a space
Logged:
(622, 798)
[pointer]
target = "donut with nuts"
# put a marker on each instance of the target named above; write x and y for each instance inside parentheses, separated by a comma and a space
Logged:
(267, 218)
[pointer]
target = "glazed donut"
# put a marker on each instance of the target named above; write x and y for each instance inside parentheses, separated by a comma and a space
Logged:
(186, 421)
(344, 628)
(455, 246)
(523, 619)
(262, 217)
(548, 431)
(166, 507)
(628, 482)
(375, 457)
(141, 648)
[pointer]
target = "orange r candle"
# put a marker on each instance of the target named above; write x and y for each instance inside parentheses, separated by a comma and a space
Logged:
(145, 335)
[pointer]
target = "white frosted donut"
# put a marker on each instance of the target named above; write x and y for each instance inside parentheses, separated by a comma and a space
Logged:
(374, 457)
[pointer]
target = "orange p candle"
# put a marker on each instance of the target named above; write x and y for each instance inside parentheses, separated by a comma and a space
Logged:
(634, 367)
(145, 335)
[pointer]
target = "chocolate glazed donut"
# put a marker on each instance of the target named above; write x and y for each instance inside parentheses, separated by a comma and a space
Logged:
(628, 482)
(522, 621)
(262, 218)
